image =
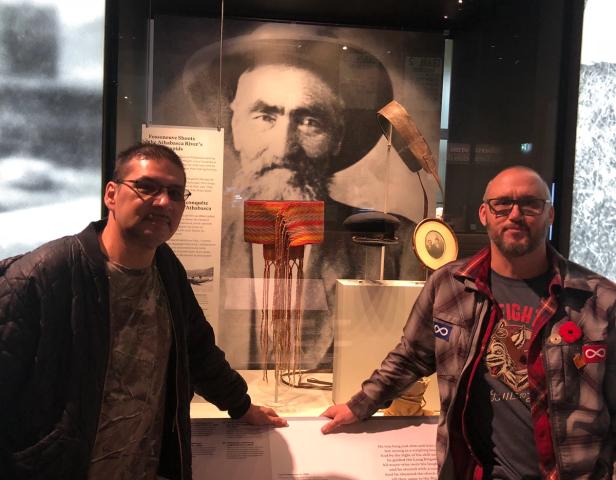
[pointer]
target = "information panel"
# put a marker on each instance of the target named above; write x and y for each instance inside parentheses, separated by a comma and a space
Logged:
(392, 448)
(197, 240)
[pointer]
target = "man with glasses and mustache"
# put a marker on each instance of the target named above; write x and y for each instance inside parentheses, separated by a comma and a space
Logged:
(102, 342)
(522, 341)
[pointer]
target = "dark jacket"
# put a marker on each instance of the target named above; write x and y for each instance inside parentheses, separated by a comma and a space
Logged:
(54, 349)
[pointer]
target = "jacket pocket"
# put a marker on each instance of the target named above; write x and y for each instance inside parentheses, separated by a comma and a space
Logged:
(34, 452)
(55, 456)
(575, 372)
(451, 343)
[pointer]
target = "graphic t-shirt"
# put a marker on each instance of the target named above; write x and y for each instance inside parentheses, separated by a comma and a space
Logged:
(502, 431)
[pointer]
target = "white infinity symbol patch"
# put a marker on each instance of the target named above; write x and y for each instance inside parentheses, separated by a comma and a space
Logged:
(598, 353)
(439, 330)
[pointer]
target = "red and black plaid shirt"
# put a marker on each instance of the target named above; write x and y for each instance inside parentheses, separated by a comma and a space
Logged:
(478, 268)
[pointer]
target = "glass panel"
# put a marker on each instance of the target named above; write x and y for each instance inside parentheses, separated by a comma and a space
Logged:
(298, 107)
(503, 68)
(504, 89)
(51, 71)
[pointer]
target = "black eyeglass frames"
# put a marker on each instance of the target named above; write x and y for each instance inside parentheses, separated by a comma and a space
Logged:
(151, 188)
(503, 206)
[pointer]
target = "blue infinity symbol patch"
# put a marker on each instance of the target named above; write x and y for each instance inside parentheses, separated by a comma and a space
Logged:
(442, 330)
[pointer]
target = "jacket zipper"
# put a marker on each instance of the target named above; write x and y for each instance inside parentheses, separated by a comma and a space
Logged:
(464, 369)
(543, 334)
(108, 361)
(473, 362)
(493, 315)
(176, 420)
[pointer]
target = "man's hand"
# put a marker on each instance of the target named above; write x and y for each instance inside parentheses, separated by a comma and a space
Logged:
(340, 414)
(257, 415)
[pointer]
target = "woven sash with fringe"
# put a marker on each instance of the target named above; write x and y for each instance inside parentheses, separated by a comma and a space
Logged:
(283, 228)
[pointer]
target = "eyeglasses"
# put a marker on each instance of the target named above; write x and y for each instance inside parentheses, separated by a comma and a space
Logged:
(502, 206)
(150, 188)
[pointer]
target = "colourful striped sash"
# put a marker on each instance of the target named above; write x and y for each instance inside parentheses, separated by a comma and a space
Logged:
(302, 222)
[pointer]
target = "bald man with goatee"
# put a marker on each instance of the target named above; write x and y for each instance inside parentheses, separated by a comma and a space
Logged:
(523, 343)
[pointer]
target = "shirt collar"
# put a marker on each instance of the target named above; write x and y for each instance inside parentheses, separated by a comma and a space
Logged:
(476, 271)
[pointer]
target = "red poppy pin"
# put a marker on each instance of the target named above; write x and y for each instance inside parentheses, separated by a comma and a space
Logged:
(570, 332)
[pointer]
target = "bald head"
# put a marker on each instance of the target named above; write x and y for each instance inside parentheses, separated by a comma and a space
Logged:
(517, 220)
(512, 178)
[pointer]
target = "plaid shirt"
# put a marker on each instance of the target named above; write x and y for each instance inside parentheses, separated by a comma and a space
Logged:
(572, 383)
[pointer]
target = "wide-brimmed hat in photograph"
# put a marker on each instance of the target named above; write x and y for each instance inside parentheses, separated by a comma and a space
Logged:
(357, 76)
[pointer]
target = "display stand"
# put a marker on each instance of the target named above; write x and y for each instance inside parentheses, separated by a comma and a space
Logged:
(369, 318)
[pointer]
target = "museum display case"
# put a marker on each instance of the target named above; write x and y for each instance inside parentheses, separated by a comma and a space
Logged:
(233, 91)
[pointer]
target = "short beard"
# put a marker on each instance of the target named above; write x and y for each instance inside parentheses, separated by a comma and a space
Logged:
(517, 249)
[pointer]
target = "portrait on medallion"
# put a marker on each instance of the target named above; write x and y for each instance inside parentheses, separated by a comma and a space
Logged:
(435, 244)
(298, 107)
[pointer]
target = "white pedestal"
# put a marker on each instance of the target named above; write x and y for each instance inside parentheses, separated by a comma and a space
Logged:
(370, 315)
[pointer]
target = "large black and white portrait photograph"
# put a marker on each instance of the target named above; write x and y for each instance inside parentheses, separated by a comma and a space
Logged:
(298, 105)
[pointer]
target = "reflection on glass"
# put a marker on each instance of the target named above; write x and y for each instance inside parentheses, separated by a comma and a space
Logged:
(299, 119)
(51, 70)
